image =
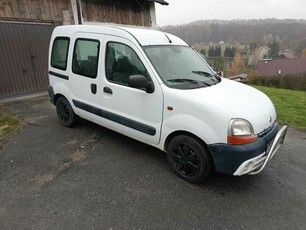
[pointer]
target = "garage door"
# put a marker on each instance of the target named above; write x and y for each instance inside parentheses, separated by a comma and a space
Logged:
(23, 57)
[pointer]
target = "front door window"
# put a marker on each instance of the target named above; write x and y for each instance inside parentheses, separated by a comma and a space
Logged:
(122, 62)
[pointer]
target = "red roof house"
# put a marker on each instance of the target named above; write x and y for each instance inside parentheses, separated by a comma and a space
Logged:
(281, 67)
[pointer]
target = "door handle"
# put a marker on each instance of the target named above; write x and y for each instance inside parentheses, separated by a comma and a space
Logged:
(107, 90)
(93, 88)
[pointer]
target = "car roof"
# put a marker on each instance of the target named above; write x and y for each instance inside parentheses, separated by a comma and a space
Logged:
(144, 36)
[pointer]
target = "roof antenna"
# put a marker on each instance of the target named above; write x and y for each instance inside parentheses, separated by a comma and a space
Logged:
(152, 20)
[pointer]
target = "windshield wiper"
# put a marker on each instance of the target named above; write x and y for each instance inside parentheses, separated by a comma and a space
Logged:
(183, 80)
(202, 73)
(189, 81)
(210, 75)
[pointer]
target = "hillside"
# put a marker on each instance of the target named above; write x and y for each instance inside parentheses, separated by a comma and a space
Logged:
(289, 33)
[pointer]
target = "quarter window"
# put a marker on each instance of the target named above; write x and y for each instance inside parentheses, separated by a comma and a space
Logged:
(59, 53)
(85, 57)
(122, 62)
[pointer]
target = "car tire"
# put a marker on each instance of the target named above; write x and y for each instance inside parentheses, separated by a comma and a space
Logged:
(189, 159)
(65, 113)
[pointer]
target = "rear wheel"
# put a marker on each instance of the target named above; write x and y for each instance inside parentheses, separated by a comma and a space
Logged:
(65, 113)
(189, 159)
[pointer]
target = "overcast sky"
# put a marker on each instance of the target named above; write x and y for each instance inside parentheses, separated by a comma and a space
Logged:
(184, 11)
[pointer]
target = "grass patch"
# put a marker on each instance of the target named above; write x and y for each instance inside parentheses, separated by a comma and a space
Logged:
(8, 125)
(290, 105)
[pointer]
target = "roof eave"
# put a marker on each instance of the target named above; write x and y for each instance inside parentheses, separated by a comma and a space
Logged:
(162, 2)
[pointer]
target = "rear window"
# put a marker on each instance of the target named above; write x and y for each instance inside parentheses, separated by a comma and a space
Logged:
(59, 53)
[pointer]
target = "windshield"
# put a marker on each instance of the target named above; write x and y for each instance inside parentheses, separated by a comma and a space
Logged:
(181, 67)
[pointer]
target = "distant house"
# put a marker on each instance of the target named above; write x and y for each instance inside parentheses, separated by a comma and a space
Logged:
(239, 77)
(286, 54)
(26, 27)
(264, 52)
(281, 67)
(260, 53)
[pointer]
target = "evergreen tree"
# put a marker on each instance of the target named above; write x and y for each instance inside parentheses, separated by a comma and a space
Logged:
(275, 49)
(227, 51)
(211, 51)
(274, 46)
(218, 51)
(233, 52)
(203, 52)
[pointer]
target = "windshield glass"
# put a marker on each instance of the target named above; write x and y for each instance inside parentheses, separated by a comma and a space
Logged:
(181, 67)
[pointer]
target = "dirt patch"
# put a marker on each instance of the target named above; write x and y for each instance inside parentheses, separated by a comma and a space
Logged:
(2, 213)
(72, 142)
(30, 121)
(78, 155)
(40, 181)
(43, 179)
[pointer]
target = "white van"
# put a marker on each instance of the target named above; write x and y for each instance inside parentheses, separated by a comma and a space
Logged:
(153, 87)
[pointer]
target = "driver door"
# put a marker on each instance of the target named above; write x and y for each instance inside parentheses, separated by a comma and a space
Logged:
(128, 110)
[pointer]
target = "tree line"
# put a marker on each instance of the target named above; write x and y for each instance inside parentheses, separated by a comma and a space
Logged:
(291, 34)
(215, 51)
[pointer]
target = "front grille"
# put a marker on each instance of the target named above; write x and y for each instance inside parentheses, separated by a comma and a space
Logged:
(263, 133)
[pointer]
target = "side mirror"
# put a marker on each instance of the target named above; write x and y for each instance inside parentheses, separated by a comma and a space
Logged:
(141, 82)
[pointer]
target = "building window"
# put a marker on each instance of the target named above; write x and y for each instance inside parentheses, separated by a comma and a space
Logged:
(122, 62)
(85, 57)
(59, 53)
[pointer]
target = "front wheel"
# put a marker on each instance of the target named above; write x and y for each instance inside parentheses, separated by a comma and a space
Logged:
(189, 159)
(65, 113)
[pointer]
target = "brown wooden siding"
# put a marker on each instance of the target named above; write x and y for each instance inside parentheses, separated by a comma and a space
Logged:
(24, 46)
(119, 11)
(37, 10)
(111, 11)
(23, 57)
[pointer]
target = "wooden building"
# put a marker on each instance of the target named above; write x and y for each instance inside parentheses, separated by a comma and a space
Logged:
(26, 27)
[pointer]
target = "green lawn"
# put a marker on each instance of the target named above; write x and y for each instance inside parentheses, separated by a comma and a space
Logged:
(290, 105)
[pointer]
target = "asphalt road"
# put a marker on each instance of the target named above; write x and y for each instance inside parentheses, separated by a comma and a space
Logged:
(89, 177)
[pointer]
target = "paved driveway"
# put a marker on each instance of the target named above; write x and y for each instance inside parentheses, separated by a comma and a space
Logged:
(89, 177)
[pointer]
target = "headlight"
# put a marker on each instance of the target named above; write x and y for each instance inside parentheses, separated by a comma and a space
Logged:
(240, 131)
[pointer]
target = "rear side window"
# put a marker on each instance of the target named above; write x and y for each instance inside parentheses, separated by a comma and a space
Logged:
(85, 57)
(59, 53)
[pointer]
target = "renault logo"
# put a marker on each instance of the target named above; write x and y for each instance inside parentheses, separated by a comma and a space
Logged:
(270, 118)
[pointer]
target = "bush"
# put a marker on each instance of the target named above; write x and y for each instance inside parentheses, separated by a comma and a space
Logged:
(293, 82)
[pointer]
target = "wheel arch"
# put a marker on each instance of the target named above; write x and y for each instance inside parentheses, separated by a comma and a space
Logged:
(60, 89)
(57, 96)
(182, 132)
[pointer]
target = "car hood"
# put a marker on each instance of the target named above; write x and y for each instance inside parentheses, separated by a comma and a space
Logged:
(238, 100)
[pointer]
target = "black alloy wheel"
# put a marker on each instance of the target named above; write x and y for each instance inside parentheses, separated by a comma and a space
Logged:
(189, 159)
(65, 112)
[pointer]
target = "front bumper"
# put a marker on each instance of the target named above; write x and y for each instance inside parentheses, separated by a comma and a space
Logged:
(249, 158)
